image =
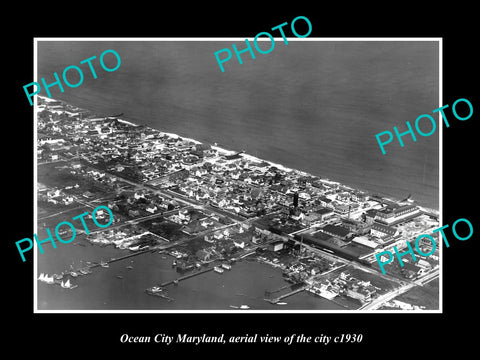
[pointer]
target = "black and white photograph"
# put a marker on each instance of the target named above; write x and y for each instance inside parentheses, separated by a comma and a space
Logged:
(260, 188)
(298, 180)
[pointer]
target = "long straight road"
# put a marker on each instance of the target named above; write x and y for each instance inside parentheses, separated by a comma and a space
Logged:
(179, 198)
(375, 304)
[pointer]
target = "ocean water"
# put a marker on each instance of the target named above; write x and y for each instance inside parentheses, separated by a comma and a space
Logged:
(313, 106)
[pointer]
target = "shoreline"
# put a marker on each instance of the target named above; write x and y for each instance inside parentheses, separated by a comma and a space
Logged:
(224, 151)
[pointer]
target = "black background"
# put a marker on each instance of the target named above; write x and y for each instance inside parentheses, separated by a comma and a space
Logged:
(61, 335)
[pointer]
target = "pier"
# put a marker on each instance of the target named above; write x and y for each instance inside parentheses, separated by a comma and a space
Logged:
(294, 289)
(270, 293)
(194, 273)
(125, 257)
(94, 265)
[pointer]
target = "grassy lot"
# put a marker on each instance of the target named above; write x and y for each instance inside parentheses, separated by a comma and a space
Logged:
(164, 228)
(58, 175)
(427, 295)
(68, 215)
(45, 208)
(52, 221)
(266, 221)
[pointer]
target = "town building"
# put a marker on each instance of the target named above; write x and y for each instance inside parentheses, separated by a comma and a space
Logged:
(391, 215)
(363, 240)
(382, 231)
(336, 231)
(324, 213)
(326, 202)
(370, 215)
(276, 246)
(359, 293)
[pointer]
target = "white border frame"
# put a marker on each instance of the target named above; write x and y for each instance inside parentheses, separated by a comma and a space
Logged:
(230, 39)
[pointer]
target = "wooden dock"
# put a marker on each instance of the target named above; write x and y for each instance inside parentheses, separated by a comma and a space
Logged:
(192, 274)
(95, 265)
(296, 288)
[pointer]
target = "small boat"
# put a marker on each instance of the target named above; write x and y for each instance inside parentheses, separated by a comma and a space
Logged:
(68, 285)
(104, 264)
(129, 267)
(226, 266)
(281, 303)
(218, 269)
(234, 307)
(244, 307)
(154, 290)
(85, 271)
(49, 279)
(119, 277)
(174, 263)
(73, 273)
(41, 277)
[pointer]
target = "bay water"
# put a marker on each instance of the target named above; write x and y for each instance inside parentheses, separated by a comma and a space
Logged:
(314, 106)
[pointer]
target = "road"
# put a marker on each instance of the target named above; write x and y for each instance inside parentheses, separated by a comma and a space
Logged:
(61, 212)
(375, 304)
(165, 193)
(189, 203)
(428, 277)
(237, 220)
(352, 263)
